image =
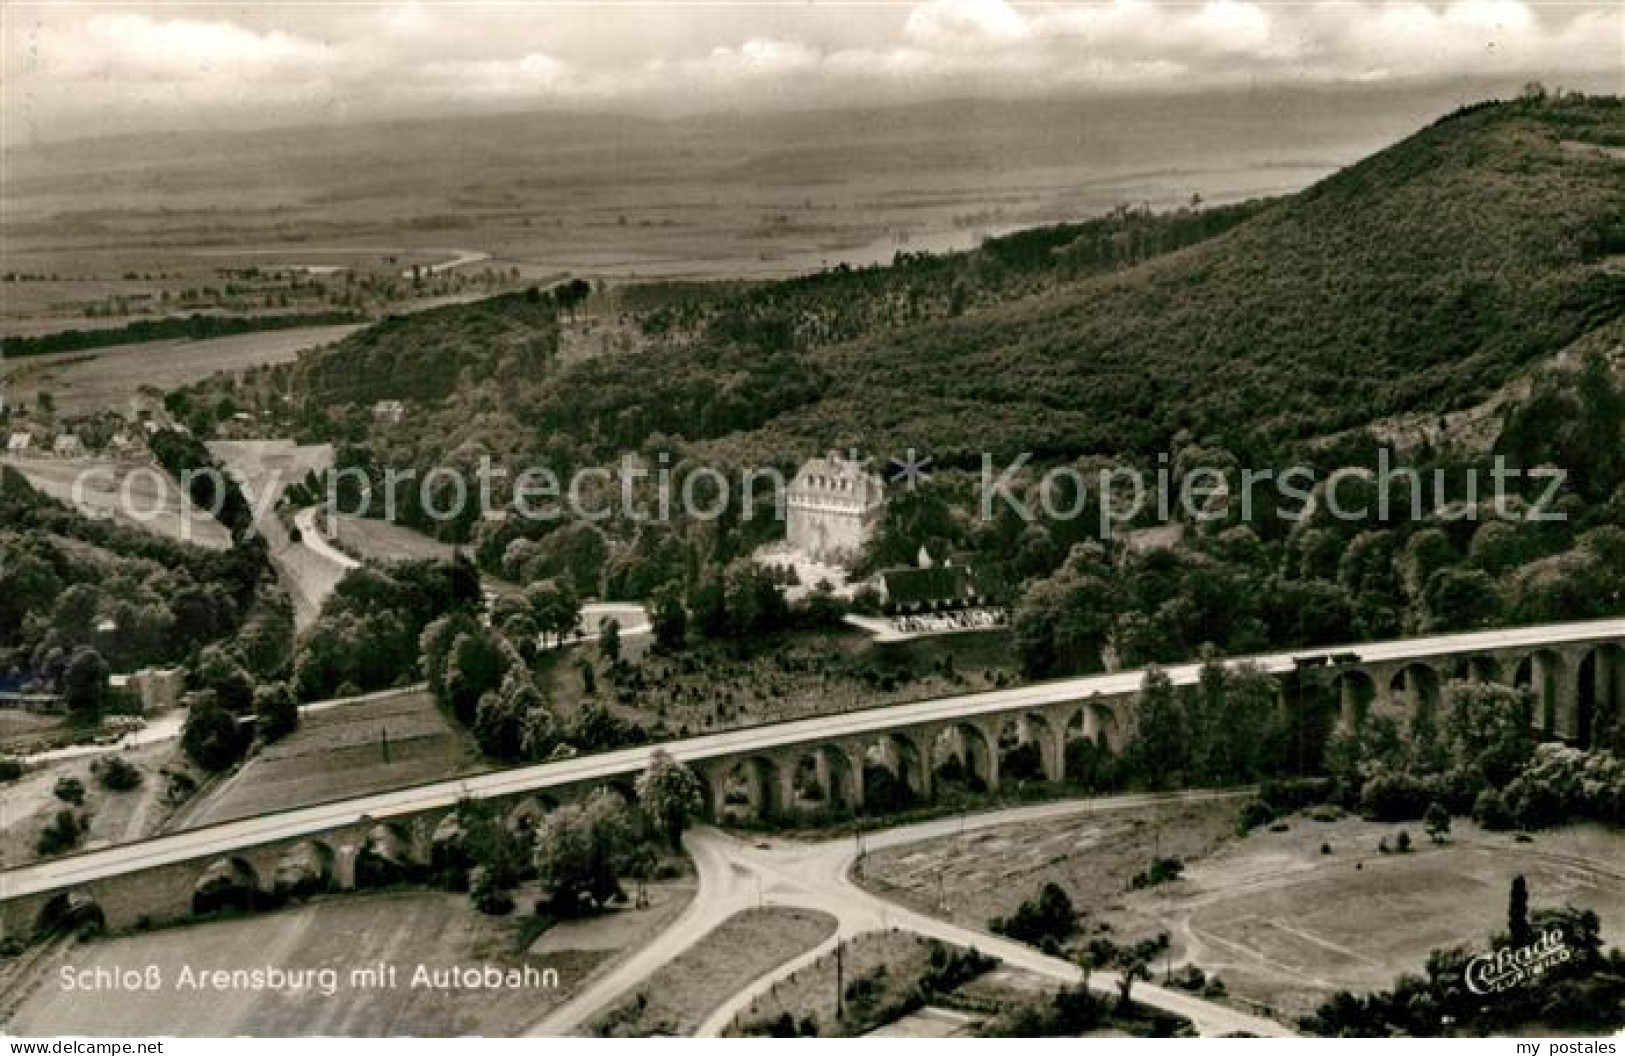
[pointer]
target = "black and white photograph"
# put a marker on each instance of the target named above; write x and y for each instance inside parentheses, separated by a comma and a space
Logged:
(762, 519)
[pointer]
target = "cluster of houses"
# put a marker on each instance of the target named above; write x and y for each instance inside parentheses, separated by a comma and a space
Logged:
(149, 691)
(125, 445)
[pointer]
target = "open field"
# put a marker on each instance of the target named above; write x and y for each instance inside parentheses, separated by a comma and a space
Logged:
(403, 929)
(1286, 926)
(349, 750)
(28, 804)
(793, 676)
(676, 999)
(892, 963)
(264, 468)
(974, 877)
(19, 729)
(929, 1022)
(1283, 924)
(140, 222)
(112, 378)
(374, 540)
(137, 494)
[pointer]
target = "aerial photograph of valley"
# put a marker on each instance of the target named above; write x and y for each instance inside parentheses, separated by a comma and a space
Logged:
(903, 519)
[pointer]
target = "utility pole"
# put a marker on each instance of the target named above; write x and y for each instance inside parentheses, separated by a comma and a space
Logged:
(840, 980)
(383, 735)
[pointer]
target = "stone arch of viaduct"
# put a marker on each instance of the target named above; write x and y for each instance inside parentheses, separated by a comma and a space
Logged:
(833, 772)
(1575, 689)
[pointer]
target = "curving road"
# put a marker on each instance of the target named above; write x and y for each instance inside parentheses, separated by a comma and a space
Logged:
(735, 875)
(224, 839)
(311, 537)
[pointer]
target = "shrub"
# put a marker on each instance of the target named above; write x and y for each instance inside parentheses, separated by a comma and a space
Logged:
(62, 834)
(1256, 813)
(1490, 811)
(1295, 793)
(1049, 916)
(1162, 871)
(10, 770)
(1190, 977)
(1394, 796)
(115, 774)
(70, 790)
(951, 968)
(179, 787)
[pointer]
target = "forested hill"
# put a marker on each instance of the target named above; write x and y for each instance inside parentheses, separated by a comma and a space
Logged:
(428, 356)
(1421, 279)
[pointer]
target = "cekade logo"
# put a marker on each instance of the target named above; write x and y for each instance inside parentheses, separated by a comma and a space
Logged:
(1494, 973)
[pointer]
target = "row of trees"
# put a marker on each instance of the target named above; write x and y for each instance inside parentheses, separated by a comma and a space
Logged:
(579, 854)
(1237, 725)
(229, 708)
(68, 582)
(366, 637)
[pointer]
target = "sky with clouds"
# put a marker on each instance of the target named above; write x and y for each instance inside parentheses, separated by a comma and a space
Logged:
(85, 68)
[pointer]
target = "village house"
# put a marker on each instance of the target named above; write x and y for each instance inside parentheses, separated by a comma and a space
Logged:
(126, 447)
(928, 587)
(154, 689)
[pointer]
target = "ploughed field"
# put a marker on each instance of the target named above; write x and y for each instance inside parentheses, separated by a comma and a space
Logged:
(111, 379)
(134, 494)
(340, 752)
(350, 936)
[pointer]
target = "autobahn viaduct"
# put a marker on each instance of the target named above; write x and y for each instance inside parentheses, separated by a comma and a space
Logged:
(1574, 674)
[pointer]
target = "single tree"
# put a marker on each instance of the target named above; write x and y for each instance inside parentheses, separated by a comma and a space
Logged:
(1437, 822)
(84, 684)
(212, 737)
(581, 850)
(555, 608)
(275, 711)
(1131, 965)
(1518, 911)
(671, 794)
(609, 640)
(669, 617)
(1161, 735)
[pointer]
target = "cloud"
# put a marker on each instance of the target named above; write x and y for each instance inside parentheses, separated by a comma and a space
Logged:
(138, 46)
(76, 68)
(962, 23)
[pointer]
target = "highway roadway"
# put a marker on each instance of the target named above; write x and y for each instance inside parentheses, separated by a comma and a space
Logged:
(735, 876)
(224, 839)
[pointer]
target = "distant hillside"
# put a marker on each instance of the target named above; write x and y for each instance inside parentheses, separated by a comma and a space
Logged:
(1422, 279)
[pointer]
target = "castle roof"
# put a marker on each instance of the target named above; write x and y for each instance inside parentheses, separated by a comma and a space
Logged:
(835, 475)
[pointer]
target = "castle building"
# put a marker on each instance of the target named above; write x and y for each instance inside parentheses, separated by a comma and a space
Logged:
(832, 508)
